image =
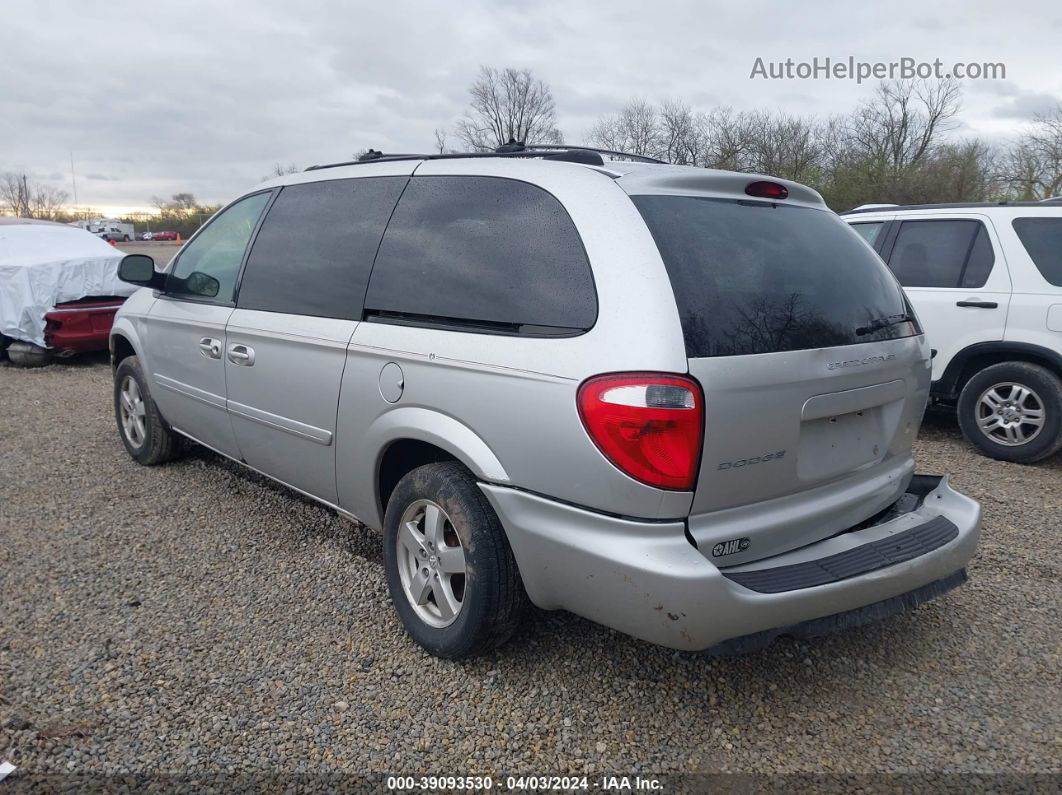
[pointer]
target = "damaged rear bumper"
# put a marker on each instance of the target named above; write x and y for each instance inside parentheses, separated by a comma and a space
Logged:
(646, 579)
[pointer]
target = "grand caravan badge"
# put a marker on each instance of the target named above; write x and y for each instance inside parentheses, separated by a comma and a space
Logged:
(861, 362)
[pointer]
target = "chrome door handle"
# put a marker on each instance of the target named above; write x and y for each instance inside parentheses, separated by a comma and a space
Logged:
(210, 347)
(242, 355)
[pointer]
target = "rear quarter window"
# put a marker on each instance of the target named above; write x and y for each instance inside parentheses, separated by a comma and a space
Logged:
(1042, 238)
(482, 253)
(752, 277)
(869, 231)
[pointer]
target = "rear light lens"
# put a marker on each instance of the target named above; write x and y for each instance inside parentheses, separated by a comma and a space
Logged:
(767, 190)
(649, 425)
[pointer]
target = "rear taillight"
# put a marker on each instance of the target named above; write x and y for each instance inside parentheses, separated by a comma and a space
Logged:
(650, 425)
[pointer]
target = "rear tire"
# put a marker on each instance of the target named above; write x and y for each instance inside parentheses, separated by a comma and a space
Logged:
(450, 570)
(1013, 412)
(26, 354)
(146, 436)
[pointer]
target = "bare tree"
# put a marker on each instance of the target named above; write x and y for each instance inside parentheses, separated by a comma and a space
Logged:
(900, 126)
(48, 202)
(441, 141)
(14, 193)
(1032, 166)
(27, 199)
(508, 104)
(785, 146)
(183, 201)
(682, 136)
(634, 129)
(280, 171)
(728, 136)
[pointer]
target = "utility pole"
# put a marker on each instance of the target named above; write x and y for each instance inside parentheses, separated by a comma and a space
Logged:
(73, 179)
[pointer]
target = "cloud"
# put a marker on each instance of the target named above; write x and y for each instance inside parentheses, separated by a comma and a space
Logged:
(1026, 105)
(169, 104)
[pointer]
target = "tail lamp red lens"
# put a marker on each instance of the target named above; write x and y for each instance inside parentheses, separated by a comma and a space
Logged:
(650, 425)
(763, 189)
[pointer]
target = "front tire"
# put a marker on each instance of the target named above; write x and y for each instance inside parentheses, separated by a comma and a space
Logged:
(147, 438)
(450, 570)
(1013, 412)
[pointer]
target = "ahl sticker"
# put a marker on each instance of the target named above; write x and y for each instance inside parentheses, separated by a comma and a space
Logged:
(730, 547)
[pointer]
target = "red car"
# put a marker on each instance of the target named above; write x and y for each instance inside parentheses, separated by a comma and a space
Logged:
(51, 277)
(164, 236)
(83, 325)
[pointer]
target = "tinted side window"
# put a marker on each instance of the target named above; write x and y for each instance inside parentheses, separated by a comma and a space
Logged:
(315, 249)
(1042, 238)
(979, 263)
(869, 231)
(939, 253)
(482, 250)
(216, 253)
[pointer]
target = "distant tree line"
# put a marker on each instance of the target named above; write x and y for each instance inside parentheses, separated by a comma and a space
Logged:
(897, 146)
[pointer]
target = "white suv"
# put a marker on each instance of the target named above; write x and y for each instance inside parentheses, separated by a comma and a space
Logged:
(986, 282)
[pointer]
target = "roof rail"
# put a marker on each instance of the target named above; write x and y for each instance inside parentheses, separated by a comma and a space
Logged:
(940, 206)
(586, 155)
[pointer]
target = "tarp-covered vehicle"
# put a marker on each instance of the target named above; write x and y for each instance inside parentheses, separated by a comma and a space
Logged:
(59, 290)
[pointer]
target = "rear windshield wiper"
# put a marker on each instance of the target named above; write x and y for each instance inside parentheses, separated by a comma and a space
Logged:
(884, 322)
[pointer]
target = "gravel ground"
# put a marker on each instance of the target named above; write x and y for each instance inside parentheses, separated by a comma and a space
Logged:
(196, 619)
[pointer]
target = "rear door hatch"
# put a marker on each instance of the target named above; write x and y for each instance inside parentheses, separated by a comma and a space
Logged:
(814, 372)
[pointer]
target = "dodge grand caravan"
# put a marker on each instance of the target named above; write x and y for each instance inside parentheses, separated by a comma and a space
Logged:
(676, 401)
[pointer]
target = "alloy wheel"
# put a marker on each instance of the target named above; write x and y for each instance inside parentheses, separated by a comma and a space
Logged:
(1010, 414)
(133, 412)
(431, 563)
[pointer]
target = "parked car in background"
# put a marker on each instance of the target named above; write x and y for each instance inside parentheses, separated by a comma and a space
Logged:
(59, 290)
(986, 281)
(164, 236)
(145, 236)
(109, 229)
(113, 234)
(676, 401)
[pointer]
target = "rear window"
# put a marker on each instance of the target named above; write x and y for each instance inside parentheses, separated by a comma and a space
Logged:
(1042, 238)
(751, 277)
(482, 254)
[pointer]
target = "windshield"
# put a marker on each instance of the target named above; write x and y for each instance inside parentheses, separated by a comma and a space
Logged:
(752, 277)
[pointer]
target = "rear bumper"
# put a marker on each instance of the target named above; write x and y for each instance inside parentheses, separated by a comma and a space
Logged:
(80, 327)
(646, 579)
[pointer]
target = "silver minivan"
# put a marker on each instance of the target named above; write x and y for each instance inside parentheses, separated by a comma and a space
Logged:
(676, 401)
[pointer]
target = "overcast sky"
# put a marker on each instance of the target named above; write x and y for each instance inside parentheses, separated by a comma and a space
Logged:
(158, 97)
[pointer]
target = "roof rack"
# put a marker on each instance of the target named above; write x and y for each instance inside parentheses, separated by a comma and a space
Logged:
(940, 206)
(586, 155)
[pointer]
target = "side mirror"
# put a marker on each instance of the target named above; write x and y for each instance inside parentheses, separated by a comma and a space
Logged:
(140, 269)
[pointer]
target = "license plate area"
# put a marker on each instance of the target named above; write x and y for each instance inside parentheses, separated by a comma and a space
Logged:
(844, 442)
